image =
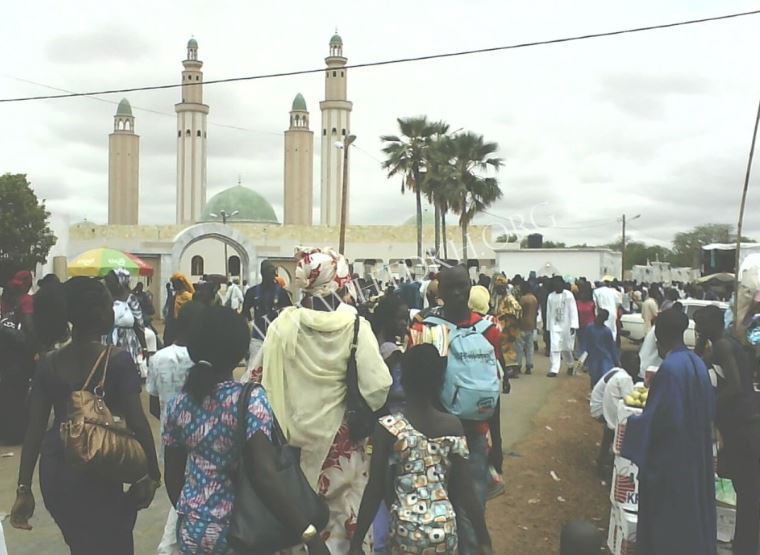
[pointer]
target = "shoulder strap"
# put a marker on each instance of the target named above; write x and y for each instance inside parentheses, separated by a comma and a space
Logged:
(483, 325)
(438, 321)
(352, 375)
(355, 340)
(103, 353)
(278, 437)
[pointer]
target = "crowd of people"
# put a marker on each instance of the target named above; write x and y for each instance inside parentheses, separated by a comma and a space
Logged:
(405, 453)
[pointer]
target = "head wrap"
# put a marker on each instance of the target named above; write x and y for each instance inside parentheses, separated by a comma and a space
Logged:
(500, 281)
(321, 272)
(479, 299)
(181, 277)
(122, 274)
(21, 281)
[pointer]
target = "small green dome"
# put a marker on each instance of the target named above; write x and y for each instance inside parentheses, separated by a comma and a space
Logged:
(192, 43)
(336, 40)
(250, 206)
(299, 104)
(124, 108)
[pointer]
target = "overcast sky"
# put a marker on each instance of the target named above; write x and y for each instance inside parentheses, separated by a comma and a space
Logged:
(656, 124)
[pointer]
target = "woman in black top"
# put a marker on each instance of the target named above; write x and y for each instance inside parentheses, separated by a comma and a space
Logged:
(94, 514)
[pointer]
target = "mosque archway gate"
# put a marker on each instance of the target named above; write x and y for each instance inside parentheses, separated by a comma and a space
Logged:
(225, 234)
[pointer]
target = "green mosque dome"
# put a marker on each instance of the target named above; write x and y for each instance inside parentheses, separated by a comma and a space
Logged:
(124, 109)
(192, 43)
(299, 103)
(336, 40)
(250, 206)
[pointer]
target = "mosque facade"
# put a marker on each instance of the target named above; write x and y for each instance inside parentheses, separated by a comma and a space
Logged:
(231, 232)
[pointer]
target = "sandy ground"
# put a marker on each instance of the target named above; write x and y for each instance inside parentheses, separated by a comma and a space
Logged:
(563, 440)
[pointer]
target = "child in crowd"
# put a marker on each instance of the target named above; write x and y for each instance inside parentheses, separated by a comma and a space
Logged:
(426, 450)
(600, 346)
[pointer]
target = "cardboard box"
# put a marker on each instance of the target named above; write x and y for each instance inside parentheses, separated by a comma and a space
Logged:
(614, 530)
(726, 523)
(621, 538)
(624, 492)
(626, 544)
(623, 413)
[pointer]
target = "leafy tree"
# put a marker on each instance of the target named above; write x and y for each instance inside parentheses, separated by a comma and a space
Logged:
(25, 238)
(639, 253)
(471, 192)
(406, 156)
(687, 246)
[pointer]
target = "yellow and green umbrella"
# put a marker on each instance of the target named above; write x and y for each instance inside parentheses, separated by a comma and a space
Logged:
(98, 262)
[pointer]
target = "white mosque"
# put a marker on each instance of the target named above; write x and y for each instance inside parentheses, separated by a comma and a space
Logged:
(235, 229)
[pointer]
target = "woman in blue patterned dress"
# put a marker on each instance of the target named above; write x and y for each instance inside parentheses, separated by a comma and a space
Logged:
(201, 450)
(426, 450)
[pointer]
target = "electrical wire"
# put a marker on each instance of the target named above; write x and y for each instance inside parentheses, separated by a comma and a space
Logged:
(140, 108)
(403, 60)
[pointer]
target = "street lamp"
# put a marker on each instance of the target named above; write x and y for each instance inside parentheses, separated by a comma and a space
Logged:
(622, 261)
(223, 215)
(344, 190)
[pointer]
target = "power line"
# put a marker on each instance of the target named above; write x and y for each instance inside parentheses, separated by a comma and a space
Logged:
(140, 108)
(402, 60)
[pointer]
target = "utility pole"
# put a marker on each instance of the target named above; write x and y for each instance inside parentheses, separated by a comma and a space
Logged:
(622, 257)
(344, 192)
(740, 223)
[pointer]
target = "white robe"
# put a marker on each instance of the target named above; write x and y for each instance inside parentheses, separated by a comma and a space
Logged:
(561, 317)
(609, 299)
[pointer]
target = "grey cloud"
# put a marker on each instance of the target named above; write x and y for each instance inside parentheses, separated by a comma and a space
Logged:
(645, 95)
(108, 43)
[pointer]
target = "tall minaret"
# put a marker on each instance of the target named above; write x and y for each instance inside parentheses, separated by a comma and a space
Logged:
(123, 168)
(336, 126)
(191, 140)
(299, 165)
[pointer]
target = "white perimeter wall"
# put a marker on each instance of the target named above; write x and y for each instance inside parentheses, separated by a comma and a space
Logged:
(592, 264)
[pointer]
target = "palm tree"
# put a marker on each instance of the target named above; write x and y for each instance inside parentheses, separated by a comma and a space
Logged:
(470, 191)
(406, 156)
(435, 181)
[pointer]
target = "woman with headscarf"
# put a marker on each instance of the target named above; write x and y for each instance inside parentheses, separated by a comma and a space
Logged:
(183, 291)
(17, 350)
(128, 326)
(305, 357)
(508, 312)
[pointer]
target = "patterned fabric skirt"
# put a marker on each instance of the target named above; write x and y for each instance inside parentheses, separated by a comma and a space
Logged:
(510, 334)
(344, 476)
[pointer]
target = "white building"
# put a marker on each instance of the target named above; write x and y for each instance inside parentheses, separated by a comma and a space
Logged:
(591, 263)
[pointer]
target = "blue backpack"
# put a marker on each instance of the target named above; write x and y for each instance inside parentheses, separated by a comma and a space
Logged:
(471, 385)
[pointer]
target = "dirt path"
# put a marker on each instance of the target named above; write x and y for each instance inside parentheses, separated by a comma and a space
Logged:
(528, 518)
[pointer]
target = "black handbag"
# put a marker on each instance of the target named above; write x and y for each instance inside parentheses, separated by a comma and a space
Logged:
(359, 417)
(254, 530)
